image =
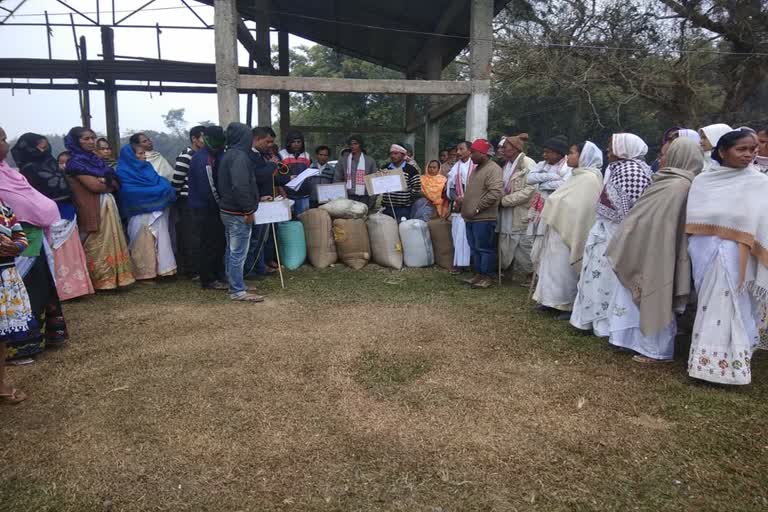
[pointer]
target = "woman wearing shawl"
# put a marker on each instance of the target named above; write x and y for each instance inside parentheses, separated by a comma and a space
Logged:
(433, 188)
(669, 137)
(761, 159)
(729, 253)
(33, 156)
(653, 289)
(16, 321)
(710, 135)
(625, 180)
(144, 200)
(92, 183)
(569, 213)
(19, 330)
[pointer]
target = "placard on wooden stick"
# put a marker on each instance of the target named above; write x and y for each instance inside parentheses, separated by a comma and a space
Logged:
(385, 181)
(329, 192)
(270, 212)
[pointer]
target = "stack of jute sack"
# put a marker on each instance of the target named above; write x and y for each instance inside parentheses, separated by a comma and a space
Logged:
(342, 229)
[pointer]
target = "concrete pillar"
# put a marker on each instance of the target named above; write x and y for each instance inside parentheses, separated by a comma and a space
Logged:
(263, 98)
(227, 72)
(285, 98)
(410, 119)
(433, 71)
(480, 53)
(110, 91)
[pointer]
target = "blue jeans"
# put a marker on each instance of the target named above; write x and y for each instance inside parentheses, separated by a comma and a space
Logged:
(481, 236)
(300, 205)
(398, 213)
(238, 240)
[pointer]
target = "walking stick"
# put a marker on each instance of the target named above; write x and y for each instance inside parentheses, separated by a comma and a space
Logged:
(277, 252)
(498, 255)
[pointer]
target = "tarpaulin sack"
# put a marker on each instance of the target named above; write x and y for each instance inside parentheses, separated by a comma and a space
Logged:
(386, 249)
(290, 241)
(417, 244)
(422, 209)
(442, 242)
(318, 233)
(352, 242)
(345, 209)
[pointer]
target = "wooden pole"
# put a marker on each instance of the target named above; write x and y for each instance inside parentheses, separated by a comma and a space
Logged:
(86, 113)
(110, 91)
(285, 98)
(225, 38)
(263, 61)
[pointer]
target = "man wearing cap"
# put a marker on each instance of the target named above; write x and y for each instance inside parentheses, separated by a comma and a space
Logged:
(353, 167)
(547, 176)
(398, 204)
(480, 210)
(514, 244)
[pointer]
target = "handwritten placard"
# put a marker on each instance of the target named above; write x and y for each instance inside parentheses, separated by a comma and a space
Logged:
(385, 181)
(270, 212)
(331, 191)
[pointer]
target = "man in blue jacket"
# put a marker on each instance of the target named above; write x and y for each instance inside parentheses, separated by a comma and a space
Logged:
(237, 187)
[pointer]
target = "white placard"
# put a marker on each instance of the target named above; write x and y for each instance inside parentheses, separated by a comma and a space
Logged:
(273, 211)
(331, 191)
(296, 182)
(381, 184)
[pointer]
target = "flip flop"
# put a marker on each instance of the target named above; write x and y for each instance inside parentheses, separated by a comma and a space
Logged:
(14, 398)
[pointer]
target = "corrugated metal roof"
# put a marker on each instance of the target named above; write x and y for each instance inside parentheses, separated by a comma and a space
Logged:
(346, 26)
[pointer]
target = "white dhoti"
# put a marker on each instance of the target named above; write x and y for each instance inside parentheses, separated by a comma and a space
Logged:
(558, 281)
(515, 250)
(461, 251)
(597, 281)
(150, 245)
(725, 333)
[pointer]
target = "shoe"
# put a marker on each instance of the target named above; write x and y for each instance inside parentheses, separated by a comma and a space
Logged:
(216, 285)
(564, 316)
(473, 279)
(483, 283)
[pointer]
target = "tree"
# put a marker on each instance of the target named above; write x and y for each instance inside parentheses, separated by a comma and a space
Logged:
(741, 26)
(174, 121)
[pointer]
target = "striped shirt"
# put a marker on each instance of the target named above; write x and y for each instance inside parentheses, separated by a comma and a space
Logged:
(406, 197)
(179, 180)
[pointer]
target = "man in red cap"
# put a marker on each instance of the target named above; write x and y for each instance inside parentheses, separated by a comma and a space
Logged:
(480, 209)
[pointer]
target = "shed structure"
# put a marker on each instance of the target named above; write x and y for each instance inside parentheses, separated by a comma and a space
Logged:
(416, 38)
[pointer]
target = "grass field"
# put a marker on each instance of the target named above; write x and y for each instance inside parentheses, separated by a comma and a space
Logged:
(369, 390)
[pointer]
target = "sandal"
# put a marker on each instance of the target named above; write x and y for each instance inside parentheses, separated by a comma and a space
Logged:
(14, 398)
(249, 297)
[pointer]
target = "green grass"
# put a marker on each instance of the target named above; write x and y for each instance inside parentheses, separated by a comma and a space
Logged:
(368, 390)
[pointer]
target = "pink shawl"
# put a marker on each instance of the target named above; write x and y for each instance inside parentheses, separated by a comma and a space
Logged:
(28, 204)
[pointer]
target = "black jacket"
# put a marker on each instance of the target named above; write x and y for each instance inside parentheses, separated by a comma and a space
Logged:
(237, 185)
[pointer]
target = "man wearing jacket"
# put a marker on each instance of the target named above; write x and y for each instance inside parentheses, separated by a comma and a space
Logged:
(514, 244)
(238, 191)
(480, 209)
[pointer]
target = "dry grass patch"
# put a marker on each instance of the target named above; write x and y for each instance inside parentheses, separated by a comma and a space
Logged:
(370, 390)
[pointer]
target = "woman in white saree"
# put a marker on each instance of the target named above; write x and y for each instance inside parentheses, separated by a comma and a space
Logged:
(728, 224)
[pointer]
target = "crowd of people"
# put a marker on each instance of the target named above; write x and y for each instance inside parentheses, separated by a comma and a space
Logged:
(621, 250)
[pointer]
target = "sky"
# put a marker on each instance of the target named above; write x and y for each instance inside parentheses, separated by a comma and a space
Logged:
(55, 112)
